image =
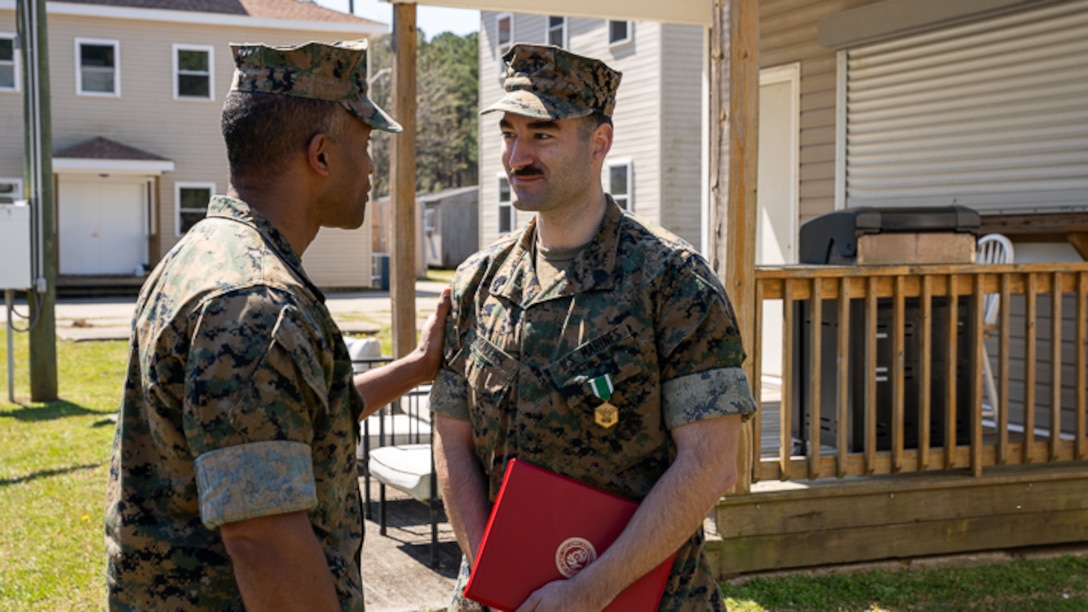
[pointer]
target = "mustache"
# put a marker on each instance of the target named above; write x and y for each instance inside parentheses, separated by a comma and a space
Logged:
(526, 171)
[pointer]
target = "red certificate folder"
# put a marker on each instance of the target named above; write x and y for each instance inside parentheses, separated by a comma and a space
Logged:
(545, 527)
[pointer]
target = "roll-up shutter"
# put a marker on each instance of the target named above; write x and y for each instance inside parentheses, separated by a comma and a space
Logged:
(991, 115)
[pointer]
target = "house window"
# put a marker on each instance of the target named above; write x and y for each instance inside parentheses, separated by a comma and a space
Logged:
(193, 72)
(428, 221)
(9, 62)
(620, 32)
(191, 204)
(11, 189)
(506, 206)
(557, 31)
(504, 37)
(619, 183)
(98, 72)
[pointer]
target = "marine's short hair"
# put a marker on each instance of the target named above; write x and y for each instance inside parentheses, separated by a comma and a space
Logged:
(262, 131)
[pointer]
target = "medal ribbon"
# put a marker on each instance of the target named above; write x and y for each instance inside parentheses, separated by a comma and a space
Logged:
(602, 386)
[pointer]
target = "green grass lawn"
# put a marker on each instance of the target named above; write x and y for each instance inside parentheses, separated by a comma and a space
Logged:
(1053, 584)
(53, 467)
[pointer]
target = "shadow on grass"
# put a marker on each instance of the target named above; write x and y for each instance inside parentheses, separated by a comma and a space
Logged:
(6, 482)
(59, 409)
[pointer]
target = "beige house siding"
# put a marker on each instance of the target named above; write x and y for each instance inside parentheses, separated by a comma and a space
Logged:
(340, 259)
(147, 116)
(11, 116)
(788, 31)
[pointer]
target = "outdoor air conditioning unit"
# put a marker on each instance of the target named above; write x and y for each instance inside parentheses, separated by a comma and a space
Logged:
(15, 246)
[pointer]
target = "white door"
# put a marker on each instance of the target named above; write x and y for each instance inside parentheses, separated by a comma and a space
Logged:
(102, 225)
(777, 200)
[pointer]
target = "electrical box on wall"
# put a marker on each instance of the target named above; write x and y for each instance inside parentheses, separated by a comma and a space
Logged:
(15, 246)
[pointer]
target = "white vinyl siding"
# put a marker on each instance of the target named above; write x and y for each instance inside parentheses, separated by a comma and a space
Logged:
(681, 164)
(989, 115)
(193, 76)
(640, 118)
(9, 62)
(98, 65)
(190, 204)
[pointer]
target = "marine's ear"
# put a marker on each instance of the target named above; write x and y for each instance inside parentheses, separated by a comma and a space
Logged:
(316, 154)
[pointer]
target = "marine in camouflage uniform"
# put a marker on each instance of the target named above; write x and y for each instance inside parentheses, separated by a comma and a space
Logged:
(239, 399)
(636, 305)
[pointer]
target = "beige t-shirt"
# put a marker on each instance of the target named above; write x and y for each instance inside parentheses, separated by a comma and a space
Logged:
(550, 262)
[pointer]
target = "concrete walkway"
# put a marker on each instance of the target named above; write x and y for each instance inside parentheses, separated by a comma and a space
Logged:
(357, 313)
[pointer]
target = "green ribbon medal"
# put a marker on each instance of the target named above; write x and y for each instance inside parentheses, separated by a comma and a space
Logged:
(606, 415)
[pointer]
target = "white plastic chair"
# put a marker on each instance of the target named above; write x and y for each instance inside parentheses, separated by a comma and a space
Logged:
(992, 249)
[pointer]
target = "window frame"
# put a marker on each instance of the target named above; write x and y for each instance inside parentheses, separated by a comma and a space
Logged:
(563, 28)
(627, 200)
(619, 42)
(16, 63)
(502, 47)
(178, 187)
(507, 204)
(100, 42)
(17, 183)
(176, 49)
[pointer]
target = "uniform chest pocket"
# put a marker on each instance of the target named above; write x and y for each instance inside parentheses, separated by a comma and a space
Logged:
(635, 395)
(489, 372)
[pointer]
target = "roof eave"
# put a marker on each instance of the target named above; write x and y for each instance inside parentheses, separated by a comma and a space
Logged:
(74, 165)
(207, 19)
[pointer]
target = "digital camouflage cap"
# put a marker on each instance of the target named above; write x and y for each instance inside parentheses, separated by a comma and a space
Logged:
(547, 82)
(320, 71)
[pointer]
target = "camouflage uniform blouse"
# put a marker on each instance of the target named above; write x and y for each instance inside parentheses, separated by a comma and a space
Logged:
(238, 403)
(637, 304)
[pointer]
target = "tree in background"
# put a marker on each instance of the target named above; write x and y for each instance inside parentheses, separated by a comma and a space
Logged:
(447, 107)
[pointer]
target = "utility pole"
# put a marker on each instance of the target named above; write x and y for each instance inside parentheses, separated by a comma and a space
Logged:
(402, 193)
(38, 172)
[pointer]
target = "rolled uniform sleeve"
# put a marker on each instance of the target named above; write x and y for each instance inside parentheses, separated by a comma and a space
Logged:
(700, 347)
(253, 390)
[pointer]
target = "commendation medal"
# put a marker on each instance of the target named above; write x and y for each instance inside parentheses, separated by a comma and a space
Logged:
(606, 414)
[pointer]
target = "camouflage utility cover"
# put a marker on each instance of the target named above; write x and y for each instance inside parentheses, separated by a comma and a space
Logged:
(238, 403)
(638, 305)
(336, 73)
(547, 82)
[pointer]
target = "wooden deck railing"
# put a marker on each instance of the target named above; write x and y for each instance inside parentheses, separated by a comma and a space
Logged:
(875, 383)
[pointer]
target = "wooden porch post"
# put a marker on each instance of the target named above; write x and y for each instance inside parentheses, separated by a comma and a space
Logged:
(734, 136)
(402, 182)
